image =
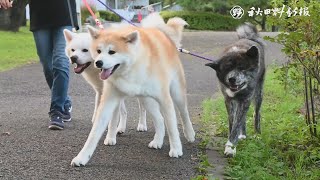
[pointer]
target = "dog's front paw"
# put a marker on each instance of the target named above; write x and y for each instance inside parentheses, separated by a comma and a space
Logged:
(110, 141)
(241, 137)
(142, 128)
(176, 151)
(121, 130)
(190, 135)
(79, 161)
(155, 144)
(230, 151)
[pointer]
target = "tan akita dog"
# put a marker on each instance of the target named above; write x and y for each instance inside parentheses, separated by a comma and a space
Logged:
(141, 62)
(77, 49)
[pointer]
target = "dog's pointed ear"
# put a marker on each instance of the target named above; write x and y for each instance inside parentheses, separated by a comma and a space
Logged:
(214, 65)
(132, 37)
(68, 35)
(93, 32)
(252, 51)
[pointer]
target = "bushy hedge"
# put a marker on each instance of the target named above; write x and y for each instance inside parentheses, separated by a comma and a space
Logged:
(109, 16)
(204, 20)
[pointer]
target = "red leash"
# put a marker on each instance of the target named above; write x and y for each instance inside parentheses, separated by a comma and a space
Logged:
(98, 23)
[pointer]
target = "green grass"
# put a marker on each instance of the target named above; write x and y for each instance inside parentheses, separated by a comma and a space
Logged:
(16, 49)
(206, 131)
(284, 150)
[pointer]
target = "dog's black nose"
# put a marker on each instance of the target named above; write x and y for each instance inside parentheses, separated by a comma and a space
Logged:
(74, 59)
(99, 64)
(232, 80)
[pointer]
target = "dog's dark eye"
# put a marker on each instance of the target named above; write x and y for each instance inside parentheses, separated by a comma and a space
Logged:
(72, 50)
(84, 50)
(111, 52)
(98, 51)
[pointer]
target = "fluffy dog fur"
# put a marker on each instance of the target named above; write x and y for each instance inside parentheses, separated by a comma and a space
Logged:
(173, 29)
(77, 46)
(140, 62)
(240, 71)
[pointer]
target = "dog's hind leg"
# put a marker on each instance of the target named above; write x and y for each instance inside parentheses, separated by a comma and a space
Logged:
(170, 119)
(258, 96)
(179, 96)
(142, 125)
(152, 106)
(243, 131)
(108, 104)
(123, 115)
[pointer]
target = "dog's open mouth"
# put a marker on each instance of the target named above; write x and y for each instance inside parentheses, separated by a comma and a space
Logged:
(106, 73)
(235, 88)
(81, 67)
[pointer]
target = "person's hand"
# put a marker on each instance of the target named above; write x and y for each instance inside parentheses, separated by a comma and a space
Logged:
(5, 4)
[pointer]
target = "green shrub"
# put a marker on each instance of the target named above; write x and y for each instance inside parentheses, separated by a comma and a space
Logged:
(204, 20)
(300, 42)
(109, 16)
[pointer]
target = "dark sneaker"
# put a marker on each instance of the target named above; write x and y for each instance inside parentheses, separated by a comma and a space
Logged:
(56, 122)
(67, 113)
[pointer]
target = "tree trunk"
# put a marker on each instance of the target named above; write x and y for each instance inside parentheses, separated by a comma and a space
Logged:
(263, 23)
(24, 20)
(4, 19)
(274, 28)
(11, 19)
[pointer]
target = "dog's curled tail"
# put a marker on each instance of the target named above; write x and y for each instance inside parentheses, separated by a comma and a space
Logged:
(247, 31)
(153, 20)
(173, 28)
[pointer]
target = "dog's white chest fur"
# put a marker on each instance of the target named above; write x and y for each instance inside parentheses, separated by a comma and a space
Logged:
(230, 93)
(133, 86)
(127, 87)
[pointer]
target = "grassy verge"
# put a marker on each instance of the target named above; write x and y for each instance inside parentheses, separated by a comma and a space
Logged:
(16, 49)
(207, 130)
(284, 150)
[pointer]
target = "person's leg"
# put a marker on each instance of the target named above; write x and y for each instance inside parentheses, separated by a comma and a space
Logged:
(60, 69)
(43, 41)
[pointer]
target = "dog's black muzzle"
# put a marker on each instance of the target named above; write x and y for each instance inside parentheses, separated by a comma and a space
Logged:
(99, 64)
(74, 59)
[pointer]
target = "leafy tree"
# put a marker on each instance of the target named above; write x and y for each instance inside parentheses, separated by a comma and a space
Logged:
(224, 6)
(219, 6)
(300, 39)
(164, 2)
(12, 18)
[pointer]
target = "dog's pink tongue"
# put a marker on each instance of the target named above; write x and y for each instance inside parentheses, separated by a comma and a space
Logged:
(105, 73)
(78, 68)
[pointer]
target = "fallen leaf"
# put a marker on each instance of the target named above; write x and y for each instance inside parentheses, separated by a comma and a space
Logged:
(6, 134)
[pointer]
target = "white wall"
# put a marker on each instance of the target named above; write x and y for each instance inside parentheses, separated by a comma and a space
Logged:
(28, 11)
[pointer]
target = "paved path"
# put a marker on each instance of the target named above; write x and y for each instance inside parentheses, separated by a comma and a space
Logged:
(28, 150)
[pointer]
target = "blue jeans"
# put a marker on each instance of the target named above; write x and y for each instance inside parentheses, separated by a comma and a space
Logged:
(51, 45)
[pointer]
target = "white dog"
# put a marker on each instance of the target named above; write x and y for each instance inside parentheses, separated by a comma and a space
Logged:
(77, 49)
(140, 62)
